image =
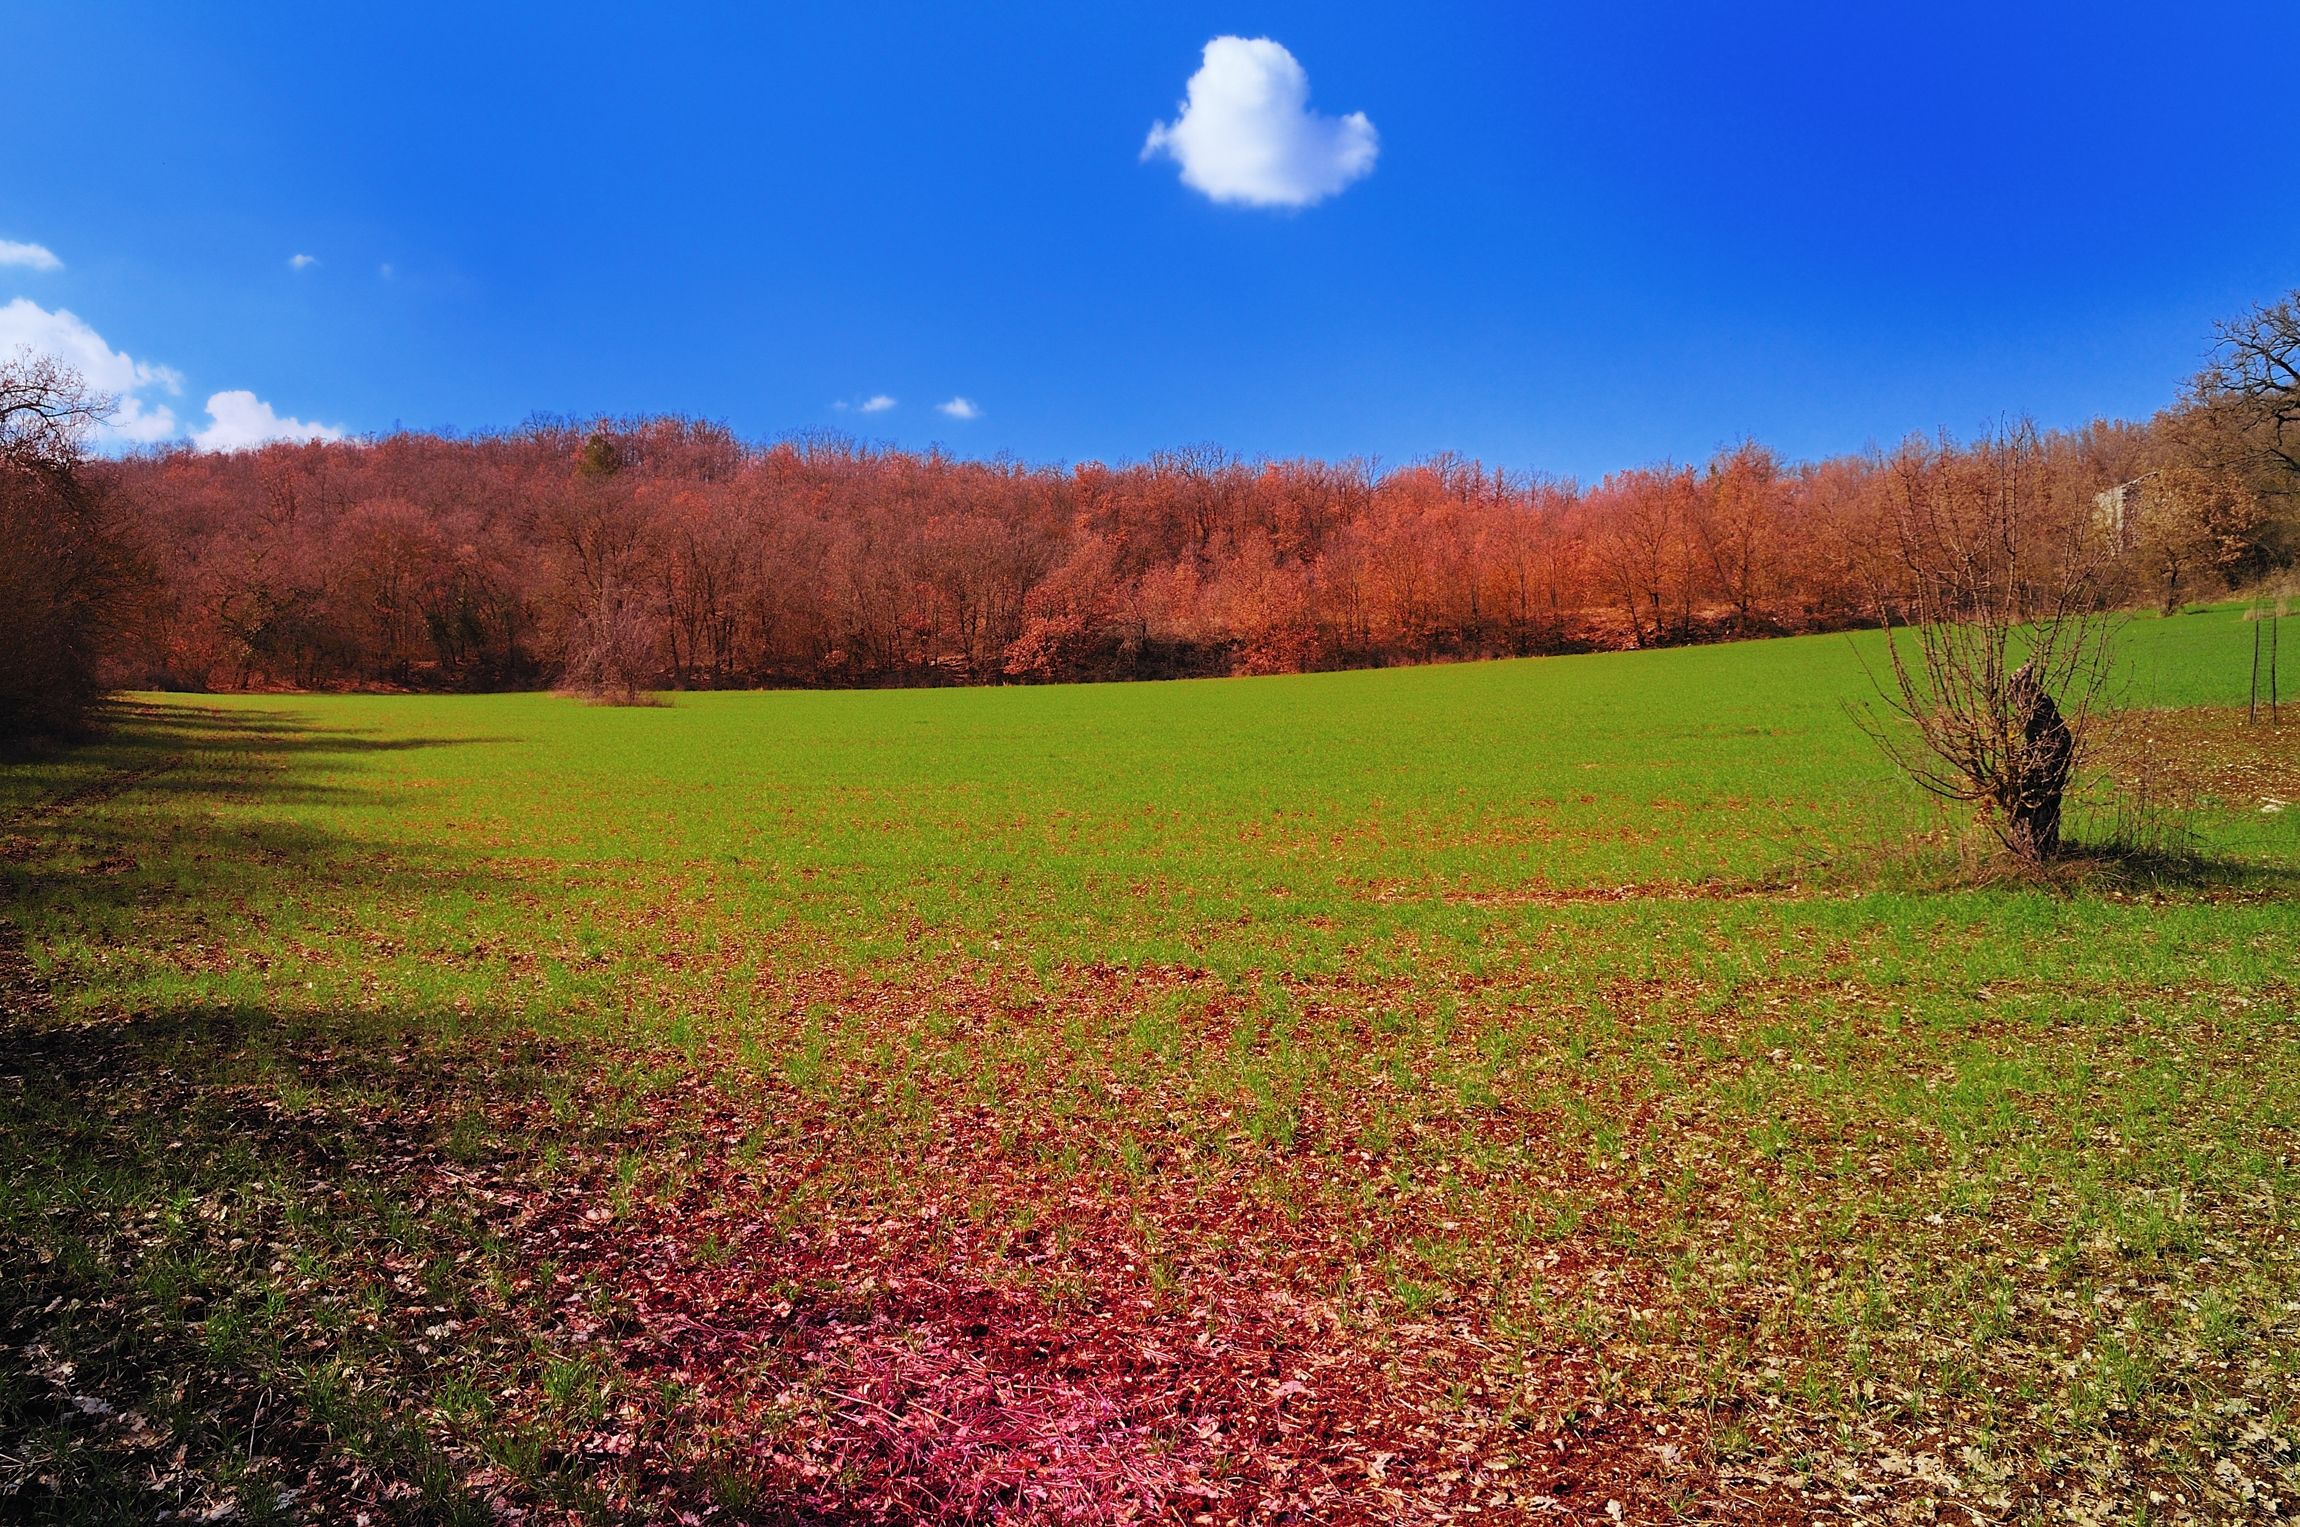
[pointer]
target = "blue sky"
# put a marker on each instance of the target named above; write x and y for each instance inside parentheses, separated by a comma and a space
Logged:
(1571, 237)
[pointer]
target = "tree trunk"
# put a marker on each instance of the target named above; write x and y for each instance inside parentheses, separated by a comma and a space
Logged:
(2040, 777)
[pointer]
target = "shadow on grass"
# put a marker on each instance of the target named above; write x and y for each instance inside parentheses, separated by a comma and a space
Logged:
(134, 817)
(187, 753)
(148, 1364)
(2166, 868)
(277, 731)
(1930, 864)
(254, 1254)
(265, 1265)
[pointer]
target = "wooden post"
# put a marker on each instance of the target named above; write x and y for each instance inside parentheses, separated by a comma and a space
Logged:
(2252, 706)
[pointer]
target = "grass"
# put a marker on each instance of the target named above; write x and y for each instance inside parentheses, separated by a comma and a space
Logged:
(1523, 1085)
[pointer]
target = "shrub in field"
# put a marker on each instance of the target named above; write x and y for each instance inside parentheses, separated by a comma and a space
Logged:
(610, 651)
(1989, 578)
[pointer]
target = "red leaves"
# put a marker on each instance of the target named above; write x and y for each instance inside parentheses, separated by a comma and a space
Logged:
(685, 1287)
(883, 1356)
(644, 553)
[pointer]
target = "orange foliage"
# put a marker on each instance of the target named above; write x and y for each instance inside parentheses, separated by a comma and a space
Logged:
(681, 556)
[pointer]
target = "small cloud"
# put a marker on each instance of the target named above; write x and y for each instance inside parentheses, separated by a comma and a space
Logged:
(960, 408)
(29, 256)
(1246, 133)
(239, 420)
(302, 261)
(876, 403)
(384, 270)
(137, 419)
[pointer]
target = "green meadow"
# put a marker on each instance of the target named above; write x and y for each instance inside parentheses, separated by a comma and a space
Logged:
(1588, 1085)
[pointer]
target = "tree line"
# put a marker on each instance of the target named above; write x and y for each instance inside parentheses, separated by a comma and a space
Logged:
(620, 556)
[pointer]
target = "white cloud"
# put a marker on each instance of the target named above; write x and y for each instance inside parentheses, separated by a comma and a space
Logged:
(302, 261)
(877, 403)
(31, 256)
(1246, 133)
(238, 420)
(138, 420)
(960, 408)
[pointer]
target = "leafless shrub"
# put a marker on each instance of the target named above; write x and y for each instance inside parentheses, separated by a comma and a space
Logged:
(611, 651)
(1987, 572)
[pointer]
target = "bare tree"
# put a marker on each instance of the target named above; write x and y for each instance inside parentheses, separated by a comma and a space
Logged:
(68, 570)
(46, 412)
(1987, 572)
(2240, 421)
(611, 653)
(2256, 373)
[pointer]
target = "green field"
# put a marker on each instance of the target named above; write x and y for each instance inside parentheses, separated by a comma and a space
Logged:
(1538, 1086)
